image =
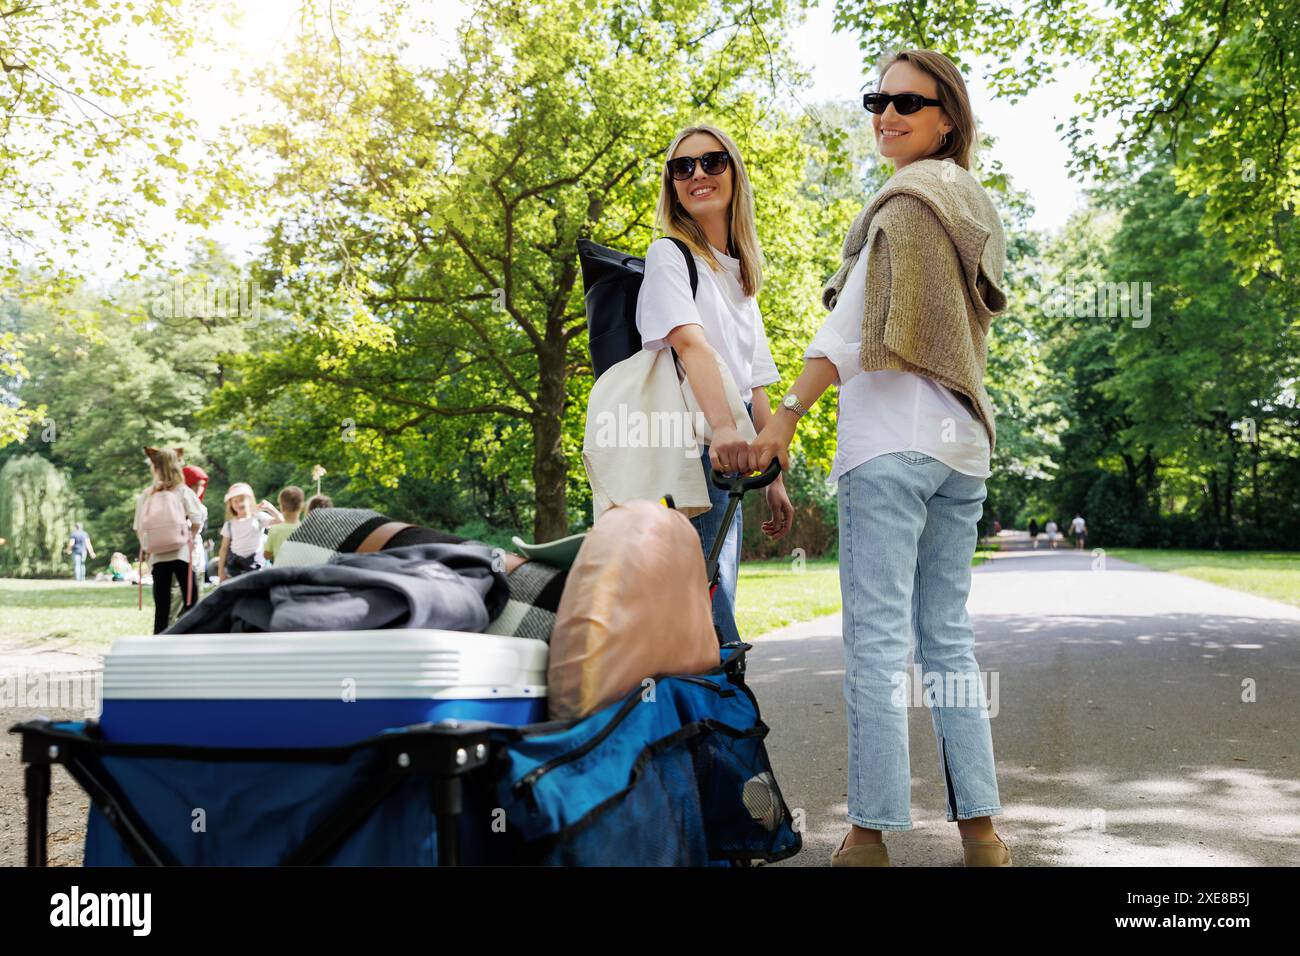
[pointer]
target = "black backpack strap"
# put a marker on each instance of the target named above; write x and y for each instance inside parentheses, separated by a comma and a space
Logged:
(690, 263)
(695, 276)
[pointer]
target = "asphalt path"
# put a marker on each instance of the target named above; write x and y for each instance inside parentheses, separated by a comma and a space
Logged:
(1124, 729)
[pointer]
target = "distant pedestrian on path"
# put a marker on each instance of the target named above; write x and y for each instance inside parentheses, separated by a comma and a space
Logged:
(1080, 529)
(79, 547)
(1052, 532)
(1033, 532)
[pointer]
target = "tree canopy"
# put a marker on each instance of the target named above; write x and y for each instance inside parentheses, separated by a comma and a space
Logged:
(419, 329)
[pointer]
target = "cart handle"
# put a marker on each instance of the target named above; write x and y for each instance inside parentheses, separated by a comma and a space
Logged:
(739, 484)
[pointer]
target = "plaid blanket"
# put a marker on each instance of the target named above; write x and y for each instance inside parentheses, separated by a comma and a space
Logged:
(327, 532)
(535, 590)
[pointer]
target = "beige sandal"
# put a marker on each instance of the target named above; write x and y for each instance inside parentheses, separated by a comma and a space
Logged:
(986, 852)
(864, 854)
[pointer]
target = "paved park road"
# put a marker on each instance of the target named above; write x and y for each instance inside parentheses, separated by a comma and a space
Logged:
(1121, 735)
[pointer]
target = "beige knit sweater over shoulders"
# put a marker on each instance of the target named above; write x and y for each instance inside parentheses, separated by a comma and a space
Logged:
(936, 254)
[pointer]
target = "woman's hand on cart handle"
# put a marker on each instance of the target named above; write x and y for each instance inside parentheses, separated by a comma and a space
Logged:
(818, 374)
(743, 481)
(772, 442)
(729, 451)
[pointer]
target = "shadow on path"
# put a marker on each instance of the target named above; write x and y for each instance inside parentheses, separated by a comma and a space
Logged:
(1123, 737)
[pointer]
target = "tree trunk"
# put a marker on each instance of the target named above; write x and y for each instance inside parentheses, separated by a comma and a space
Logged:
(550, 469)
(1214, 503)
(1254, 479)
(1151, 481)
(1230, 485)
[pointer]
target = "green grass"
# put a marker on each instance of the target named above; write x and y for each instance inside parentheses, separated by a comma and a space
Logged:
(771, 594)
(1270, 574)
(90, 615)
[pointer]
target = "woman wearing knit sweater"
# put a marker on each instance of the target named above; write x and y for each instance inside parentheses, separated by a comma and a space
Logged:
(906, 342)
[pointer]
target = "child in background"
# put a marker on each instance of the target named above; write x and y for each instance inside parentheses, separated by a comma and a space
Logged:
(241, 535)
(291, 504)
(120, 568)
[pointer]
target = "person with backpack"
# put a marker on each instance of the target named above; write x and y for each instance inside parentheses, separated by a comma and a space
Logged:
(911, 306)
(167, 517)
(706, 202)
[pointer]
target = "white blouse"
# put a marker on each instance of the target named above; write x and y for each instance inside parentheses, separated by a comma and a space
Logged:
(887, 411)
(731, 320)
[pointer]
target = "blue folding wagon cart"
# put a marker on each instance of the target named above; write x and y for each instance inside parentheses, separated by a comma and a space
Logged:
(681, 779)
(257, 767)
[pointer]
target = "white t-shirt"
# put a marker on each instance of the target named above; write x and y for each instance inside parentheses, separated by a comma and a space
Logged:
(887, 410)
(730, 319)
(200, 553)
(245, 534)
(1078, 526)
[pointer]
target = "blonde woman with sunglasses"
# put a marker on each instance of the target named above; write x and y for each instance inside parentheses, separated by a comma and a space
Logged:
(707, 202)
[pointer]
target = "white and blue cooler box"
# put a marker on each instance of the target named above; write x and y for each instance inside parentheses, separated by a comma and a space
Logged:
(318, 688)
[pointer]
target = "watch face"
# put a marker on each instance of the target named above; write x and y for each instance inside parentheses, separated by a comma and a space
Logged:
(788, 401)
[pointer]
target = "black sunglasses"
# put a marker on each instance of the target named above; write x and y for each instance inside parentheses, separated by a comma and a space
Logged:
(905, 103)
(714, 164)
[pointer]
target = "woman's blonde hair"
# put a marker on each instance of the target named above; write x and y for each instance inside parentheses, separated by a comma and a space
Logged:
(672, 219)
(165, 463)
(953, 100)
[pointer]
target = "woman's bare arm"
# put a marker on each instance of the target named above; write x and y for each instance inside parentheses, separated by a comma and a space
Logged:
(774, 442)
(728, 450)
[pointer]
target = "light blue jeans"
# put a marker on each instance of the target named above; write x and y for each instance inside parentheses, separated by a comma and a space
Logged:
(707, 525)
(907, 536)
(78, 566)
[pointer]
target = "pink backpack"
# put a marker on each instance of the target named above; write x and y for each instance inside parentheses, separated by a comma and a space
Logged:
(164, 527)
